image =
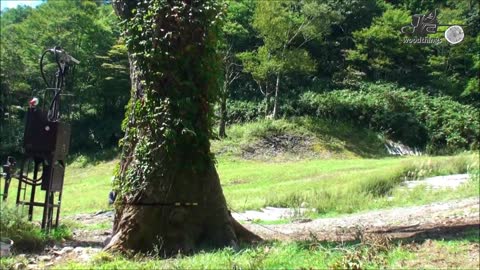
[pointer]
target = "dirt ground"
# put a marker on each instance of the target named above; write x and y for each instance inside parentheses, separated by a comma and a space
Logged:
(404, 222)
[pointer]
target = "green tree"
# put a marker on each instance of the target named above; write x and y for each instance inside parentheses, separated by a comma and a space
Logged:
(85, 29)
(169, 191)
(330, 51)
(236, 36)
(441, 68)
(285, 27)
(381, 54)
(453, 69)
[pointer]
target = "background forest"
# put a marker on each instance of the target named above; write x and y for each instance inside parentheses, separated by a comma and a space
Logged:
(344, 61)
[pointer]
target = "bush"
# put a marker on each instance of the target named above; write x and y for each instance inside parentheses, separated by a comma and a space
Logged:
(244, 111)
(26, 235)
(437, 124)
(240, 111)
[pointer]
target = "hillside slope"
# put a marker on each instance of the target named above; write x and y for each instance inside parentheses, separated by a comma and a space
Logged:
(298, 138)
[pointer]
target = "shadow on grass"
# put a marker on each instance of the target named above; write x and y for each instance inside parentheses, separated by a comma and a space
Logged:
(407, 234)
(93, 158)
(465, 232)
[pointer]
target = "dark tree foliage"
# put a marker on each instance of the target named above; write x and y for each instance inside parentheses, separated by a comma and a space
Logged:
(360, 42)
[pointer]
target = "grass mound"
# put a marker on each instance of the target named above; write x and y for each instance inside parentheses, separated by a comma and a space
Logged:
(301, 137)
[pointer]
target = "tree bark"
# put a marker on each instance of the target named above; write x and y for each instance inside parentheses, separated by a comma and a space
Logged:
(275, 101)
(267, 101)
(170, 198)
(223, 110)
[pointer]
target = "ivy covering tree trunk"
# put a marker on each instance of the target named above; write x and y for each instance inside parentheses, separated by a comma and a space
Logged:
(169, 194)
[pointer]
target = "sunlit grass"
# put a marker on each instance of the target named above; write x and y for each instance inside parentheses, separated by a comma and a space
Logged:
(306, 255)
(331, 186)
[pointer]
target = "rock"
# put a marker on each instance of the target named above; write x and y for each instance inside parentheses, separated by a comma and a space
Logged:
(302, 220)
(32, 266)
(84, 257)
(19, 266)
(58, 253)
(49, 264)
(78, 250)
(67, 250)
(44, 258)
(100, 212)
(95, 250)
(107, 240)
(21, 256)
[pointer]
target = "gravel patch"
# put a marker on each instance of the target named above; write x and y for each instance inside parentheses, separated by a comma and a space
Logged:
(440, 182)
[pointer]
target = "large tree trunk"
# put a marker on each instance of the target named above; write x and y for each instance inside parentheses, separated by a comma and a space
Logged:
(170, 198)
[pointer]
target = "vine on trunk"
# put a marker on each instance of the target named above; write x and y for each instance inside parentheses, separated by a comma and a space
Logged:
(171, 109)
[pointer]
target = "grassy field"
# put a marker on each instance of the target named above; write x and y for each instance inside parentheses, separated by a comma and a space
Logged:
(340, 177)
(344, 175)
(367, 254)
(330, 186)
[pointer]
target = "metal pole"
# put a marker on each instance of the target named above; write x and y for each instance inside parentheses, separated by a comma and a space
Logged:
(58, 207)
(20, 182)
(32, 196)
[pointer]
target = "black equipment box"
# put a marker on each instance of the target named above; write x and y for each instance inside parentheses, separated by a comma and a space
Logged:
(45, 137)
(53, 176)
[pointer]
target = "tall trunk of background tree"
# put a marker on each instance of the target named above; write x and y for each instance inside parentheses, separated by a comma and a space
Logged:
(223, 110)
(169, 193)
(267, 101)
(230, 74)
(275, 101)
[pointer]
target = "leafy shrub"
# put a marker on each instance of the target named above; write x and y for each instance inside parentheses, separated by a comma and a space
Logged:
(26, 235)
(439, 124)
(240, 111)
(244, 111)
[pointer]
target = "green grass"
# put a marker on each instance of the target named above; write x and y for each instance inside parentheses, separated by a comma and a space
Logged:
(338, 186)
(367, 254)
(333, 186)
